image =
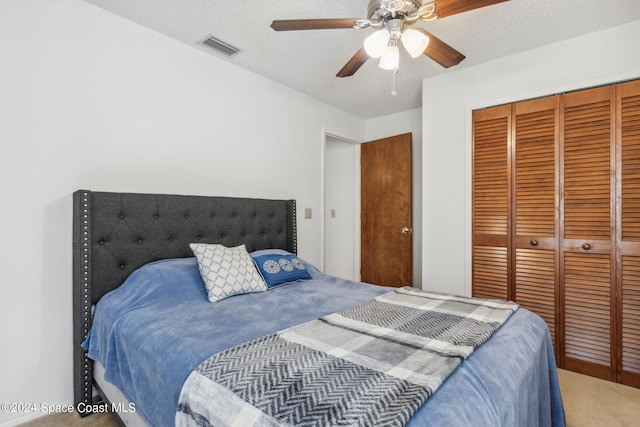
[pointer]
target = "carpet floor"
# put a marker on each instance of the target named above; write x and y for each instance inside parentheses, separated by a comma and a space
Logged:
(592, 402)
(588, 402)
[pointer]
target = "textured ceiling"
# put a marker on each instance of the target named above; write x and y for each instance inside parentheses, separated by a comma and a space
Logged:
(309, 60)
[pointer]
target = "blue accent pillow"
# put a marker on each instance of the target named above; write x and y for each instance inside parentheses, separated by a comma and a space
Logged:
(279, 269)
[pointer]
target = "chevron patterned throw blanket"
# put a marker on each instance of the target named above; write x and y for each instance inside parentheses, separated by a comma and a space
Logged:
(373, 364)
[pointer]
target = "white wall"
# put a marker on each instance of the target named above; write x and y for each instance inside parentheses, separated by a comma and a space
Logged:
(397, 124)
(89, 100)
(447, 103)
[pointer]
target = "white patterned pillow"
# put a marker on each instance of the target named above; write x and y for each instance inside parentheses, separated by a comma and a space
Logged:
(227, 271)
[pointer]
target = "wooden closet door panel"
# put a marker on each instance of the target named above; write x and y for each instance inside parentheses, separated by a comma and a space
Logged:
(629, 125)
(490, 205)
(490, 176)
(628, 101)
(630, 362)
(535, 168)
(587, 309)
(490, 272)
(588, 221)
(534, 207)
(588, 151)
(535, 273)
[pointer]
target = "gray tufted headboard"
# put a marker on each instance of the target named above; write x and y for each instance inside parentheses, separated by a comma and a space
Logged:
(115, 233)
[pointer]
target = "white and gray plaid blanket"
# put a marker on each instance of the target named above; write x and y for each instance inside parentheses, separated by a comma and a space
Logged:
(373, 364)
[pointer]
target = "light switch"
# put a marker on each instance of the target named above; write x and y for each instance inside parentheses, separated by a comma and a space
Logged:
(333, 213)
(307, 213)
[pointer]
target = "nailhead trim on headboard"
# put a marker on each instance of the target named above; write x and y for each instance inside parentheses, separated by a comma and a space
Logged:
(82, 302)
(293, 230)
(115, 233)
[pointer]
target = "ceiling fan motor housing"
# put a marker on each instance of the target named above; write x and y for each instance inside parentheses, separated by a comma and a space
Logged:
(382, 10)
(392, 5)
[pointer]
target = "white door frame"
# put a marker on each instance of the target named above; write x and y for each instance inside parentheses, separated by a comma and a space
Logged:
(356, 199)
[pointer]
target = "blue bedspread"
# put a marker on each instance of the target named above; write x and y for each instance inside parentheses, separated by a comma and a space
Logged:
(152, 331)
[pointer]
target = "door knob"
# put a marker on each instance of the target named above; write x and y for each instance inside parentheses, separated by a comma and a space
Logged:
(534, 242)
(586, 246)
(405, 230)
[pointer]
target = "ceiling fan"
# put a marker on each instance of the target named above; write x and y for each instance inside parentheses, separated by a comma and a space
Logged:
(393, 19)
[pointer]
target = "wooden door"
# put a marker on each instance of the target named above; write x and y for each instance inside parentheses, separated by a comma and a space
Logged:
(588, 256)
(490, 205)
(535, 208)
(628, 127)
(515, 206)
(386, 226)
(556, 221)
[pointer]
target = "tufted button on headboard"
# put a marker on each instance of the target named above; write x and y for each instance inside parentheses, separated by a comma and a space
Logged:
(116, 233)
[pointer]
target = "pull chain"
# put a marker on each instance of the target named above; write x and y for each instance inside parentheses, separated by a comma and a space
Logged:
(393, 82)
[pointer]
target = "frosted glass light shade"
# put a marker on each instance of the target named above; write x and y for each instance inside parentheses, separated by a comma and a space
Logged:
(376, 43)
(390, 58)
(415, 42)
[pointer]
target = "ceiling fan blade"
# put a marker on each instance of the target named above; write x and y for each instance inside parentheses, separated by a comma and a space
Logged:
(446, 8)
(441, 52)
(311, 24)
(354, 64)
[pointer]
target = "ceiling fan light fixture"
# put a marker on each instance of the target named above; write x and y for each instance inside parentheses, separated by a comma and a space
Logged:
(390, 59)
(415, 42)
(376, 43)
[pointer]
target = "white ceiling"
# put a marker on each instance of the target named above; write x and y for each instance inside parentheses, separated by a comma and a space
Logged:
(309, 60)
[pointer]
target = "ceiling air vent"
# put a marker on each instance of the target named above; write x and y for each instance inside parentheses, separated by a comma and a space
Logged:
(220, 47)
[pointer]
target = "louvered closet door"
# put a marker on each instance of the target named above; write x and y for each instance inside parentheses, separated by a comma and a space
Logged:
(490, 275)
(629, 229)
(535, 207)
(588, 253)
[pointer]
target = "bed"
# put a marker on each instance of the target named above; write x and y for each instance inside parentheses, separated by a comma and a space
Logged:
(125, 242)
